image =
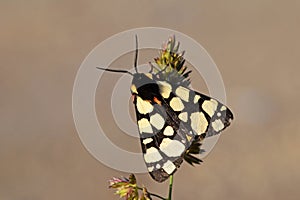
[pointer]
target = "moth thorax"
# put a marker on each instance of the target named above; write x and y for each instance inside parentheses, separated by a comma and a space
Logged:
(145, 87)
(148, 91)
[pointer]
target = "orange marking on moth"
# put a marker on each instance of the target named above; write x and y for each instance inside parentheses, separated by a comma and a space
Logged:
(157, 101)
(133, 97)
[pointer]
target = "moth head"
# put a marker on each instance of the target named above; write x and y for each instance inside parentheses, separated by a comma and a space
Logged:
(141, 84)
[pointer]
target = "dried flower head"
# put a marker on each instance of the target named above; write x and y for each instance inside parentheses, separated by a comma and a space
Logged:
(170, 64)
(126, 188)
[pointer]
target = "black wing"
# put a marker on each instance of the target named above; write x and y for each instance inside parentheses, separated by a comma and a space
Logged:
(176, 118)
(164, 139)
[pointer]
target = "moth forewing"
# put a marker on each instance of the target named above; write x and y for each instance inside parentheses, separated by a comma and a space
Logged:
(164, 139)
(172, 119)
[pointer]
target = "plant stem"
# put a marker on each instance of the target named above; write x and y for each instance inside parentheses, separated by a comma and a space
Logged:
(170, 187)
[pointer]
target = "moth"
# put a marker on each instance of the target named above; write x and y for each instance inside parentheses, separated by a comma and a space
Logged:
(172, 119)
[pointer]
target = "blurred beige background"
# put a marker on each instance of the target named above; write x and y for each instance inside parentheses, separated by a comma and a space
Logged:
(254, 43)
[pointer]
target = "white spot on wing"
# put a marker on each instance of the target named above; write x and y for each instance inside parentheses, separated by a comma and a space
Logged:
(219, 114)
(196, 98)
(152, 155)
(183, 116)
(198, 122)
(217, 125)
(168, 131)
(223, 108)
(157, 166)
(183, 93)
(143, 107)
(171, 148)
(165, 89)
(150, 169)
(210, 106)
(144, 126)
(147, 140)
(169, 167)
(176, 104)
(157, 121)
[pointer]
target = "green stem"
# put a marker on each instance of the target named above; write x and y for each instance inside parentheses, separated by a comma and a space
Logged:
(170, 187)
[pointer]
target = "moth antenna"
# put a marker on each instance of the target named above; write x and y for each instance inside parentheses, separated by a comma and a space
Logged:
(136, 54)
(151, 67)
(115, 70)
